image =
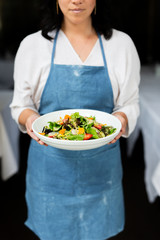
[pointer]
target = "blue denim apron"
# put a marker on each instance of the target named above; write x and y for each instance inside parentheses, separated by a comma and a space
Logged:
(75, 195)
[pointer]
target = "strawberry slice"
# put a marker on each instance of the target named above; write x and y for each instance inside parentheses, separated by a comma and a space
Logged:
(87, 136)
(98, 126)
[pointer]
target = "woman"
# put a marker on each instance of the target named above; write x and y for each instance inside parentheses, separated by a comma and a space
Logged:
(75, 195)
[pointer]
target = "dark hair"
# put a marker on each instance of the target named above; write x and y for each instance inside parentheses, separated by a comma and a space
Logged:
(100, 21)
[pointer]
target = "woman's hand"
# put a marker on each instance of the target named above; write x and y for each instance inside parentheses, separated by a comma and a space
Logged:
(28, 125)
(124, 121)
(26, 118)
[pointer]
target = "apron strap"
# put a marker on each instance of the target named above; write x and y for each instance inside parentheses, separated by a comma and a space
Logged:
(104, 58)
(102, 50)
(54, 45)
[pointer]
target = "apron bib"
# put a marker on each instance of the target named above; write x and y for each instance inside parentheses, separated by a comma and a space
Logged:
(75, 195)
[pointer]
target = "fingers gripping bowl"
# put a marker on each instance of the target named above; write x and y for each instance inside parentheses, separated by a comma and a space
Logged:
(101, 117)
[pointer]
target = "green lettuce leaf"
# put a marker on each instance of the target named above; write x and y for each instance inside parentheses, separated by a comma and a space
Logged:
(92, 131)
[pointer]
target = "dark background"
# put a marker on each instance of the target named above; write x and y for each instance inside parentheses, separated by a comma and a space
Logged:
(141, 20)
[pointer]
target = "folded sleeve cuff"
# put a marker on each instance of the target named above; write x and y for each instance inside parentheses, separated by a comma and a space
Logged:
(132, 113)
(15, 112)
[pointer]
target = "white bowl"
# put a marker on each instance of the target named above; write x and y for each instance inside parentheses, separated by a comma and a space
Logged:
(101, 117)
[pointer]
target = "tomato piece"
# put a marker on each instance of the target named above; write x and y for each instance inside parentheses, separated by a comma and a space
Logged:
(87, 136)
(98, 126)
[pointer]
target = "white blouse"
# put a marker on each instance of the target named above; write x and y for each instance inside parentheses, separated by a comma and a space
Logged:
(33, 61)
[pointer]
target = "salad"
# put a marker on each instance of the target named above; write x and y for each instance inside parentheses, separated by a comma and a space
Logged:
(77, 127)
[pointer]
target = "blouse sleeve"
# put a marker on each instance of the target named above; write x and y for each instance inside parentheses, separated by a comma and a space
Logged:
(128, 75)
(25, 73)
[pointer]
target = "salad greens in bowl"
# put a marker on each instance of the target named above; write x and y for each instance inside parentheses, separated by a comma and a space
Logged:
(76, 129)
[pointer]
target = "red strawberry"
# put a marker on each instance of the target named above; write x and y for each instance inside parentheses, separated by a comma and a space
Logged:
(87, 136)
